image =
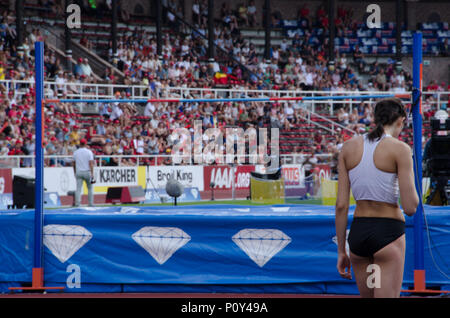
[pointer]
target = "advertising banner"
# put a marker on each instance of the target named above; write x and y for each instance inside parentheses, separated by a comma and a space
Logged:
(156, 196)
(116, 176)
(6, 199)
(294, 176)
(323, 171)
(294, 179)
(60, 180)
(51, 200)
(188, 176)
(5, 181)
(222, 177)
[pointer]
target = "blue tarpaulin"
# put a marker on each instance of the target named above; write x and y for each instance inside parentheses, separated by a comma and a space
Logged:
(202, 248)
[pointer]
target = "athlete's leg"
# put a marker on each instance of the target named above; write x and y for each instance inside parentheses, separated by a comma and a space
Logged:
(359, 265)
(391, 260)
(79, 190)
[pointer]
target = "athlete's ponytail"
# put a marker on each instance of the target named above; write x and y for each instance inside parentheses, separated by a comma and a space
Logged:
(387, 111)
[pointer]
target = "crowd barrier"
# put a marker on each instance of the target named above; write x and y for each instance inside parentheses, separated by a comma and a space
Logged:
(200, 182)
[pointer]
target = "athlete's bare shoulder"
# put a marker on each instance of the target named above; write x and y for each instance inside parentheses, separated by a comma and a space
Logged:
(396, 145)
(352, 143)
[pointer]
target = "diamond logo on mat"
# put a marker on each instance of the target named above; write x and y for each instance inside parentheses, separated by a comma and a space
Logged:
(347, 247)
(161, 242)
(65, 240)
(261, 244)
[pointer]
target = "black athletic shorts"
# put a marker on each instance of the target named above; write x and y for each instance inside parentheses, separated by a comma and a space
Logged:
(370, 234)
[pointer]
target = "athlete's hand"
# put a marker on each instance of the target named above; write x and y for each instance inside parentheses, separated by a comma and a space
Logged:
(344, 266)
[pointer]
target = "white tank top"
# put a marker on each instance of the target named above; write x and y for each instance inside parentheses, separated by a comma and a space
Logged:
(370, 183)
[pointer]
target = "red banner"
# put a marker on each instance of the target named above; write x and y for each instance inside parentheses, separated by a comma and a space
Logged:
(222, 177)
(5, 181)
(294, 176)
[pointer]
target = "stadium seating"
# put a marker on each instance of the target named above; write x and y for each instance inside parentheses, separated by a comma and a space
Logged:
(293, 140)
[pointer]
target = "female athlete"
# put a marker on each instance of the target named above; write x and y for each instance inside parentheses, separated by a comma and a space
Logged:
(378, 168)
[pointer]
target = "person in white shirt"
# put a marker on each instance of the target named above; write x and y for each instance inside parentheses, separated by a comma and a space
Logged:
(399, 88)
(83, 168)
(149, 109)
(309, 77)
(116, 112)
(284, 45)
(60, 80)
(138, 144)
(289, 111)
(86, 68)
(185, 48)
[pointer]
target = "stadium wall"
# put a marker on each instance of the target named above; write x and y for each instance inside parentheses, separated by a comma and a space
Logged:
(60, 181)
(229, 182)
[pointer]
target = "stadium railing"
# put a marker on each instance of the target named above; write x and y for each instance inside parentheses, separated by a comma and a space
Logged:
(97, 91)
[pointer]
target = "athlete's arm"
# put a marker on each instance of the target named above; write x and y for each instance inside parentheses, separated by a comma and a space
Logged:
(341, 210)
(405, 172)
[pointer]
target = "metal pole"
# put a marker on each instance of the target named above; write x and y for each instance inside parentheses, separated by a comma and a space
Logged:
(68, 38)
(233, 185)
(419, 269)
(211, 30)
(158, 28)
(398, 41)
(114, 31)
(39, 170)
(19, 25)
(267, 29)
(331, 24)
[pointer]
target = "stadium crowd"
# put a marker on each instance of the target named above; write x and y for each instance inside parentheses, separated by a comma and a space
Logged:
(128, 129)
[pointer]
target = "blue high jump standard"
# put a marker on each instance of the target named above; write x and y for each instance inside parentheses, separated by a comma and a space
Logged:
(416, 109)
(37, 283)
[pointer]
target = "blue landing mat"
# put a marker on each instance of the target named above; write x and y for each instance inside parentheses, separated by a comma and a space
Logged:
(205, 248)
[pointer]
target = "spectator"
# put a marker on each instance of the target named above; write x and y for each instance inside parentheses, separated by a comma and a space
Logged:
(381, 80)
(74, 136)
(358, 58)
(149, 109)
(83, 168)
(86, 68)
(78, 69)
(242, 14)
(342, 117)
(251, 14)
